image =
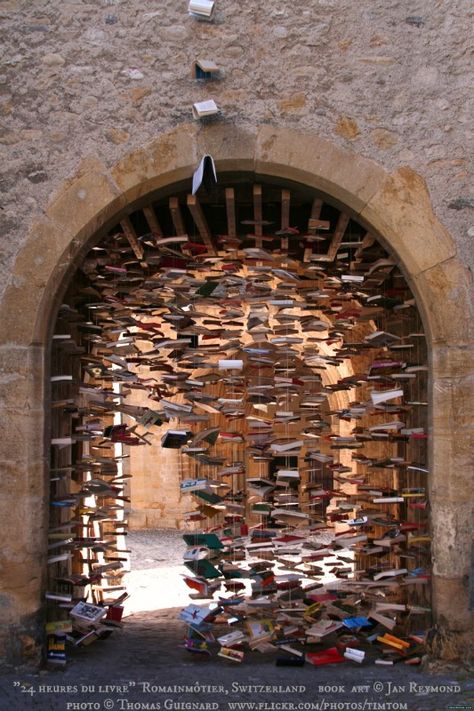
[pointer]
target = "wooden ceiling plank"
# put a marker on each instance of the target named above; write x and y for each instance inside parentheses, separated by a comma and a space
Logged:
(367, 241)
(285, 217)
(152, 220)
(315, 214)
(131, 235)
(177, 216)
(201, 223)
(230, 207)
(258, 215)
(342, 223)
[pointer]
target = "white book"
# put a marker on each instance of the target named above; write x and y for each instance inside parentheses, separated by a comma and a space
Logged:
(296, 444)
(288, 474)
(205, 108)
(288, 513)
(378, 396)
(58, 558)
(62, 441)
(201, 8)
(354, 655)
(352, 278)
(390, 573)
(231, 364)
(388, 500)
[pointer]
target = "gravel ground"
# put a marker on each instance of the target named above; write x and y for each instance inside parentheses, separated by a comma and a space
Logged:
(126, 670)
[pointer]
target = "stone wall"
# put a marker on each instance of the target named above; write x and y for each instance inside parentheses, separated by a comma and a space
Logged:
(386, 81)
(363, 101)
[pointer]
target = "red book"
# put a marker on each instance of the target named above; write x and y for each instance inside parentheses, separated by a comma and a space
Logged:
(327, 656)
(321, 597)
(115, 613)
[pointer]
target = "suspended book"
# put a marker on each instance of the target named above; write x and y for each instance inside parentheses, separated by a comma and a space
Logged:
(230, 364)
(379, 396)
(210, 498)
(381, 338)
(175, 439)
(202, 109)
(287, 446)
(201, 9)
(205, 174)
(202, 568)
(210, 540)
(288, 475)
(190, 485)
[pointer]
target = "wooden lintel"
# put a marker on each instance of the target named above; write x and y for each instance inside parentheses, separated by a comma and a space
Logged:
(152, 220)
(315, 213)
(258, 215)
(131, 235)
(201, 223)
(230, 206)
(176, 216)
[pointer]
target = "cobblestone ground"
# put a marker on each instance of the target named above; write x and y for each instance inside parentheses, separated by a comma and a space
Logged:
(140, 665)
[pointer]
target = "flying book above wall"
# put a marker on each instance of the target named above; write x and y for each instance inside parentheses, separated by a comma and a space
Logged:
(201, 9)
(202, 109)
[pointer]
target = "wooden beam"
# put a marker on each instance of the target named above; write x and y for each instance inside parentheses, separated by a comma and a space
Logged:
(315, 213)
(258, 215)
(153, 223)
(201, 223)
(367, 241)
(230, 206)
(316, 224)
(285, 216)
(131, 235)
(177, 216)
(342, 223)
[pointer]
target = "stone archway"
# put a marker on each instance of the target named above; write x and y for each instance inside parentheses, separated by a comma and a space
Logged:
(397, 210)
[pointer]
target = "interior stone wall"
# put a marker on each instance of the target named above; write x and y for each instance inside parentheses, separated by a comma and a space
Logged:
(365, 102)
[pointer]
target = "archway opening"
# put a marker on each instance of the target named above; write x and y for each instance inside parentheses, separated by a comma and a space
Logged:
(248, 366)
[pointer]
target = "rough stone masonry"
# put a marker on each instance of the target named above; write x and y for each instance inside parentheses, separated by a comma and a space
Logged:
(391, 82)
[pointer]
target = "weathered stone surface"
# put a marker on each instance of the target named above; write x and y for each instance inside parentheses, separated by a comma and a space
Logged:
(347, 127)
(404, 228)
(347, 178)
(450, 313)
(384, 139)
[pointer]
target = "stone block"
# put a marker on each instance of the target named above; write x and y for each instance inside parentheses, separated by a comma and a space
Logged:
(169, 158)
(452, 400)
(347, 178)
(447, 296)
(450, 360)
(233, 148)
(402, 215)
(84, 204)
(452, 536)
(449, 617)
(21, 381)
